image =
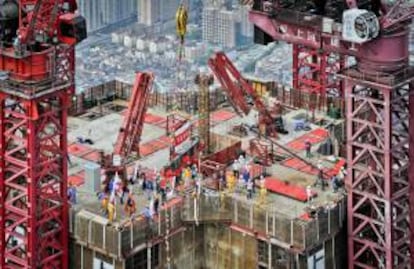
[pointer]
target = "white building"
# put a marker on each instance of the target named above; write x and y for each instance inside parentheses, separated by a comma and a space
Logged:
(149, 11)
(141, 44)
(219, 26)
(129, 41)
(226, 28)
(195, 51)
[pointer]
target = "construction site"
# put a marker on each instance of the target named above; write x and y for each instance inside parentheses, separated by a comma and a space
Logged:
(250, 174)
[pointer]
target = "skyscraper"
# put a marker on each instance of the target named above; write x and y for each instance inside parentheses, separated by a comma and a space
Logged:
(209, 24)
(226, 28)
(219, 24)
(149, 11)
(154, 11)
(101, 13)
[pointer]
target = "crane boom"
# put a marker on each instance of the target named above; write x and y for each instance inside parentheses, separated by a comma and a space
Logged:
(238, 88)
(130, 133)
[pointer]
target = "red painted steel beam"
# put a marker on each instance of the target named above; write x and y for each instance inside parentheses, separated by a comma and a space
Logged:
(236, 87)
(34, 215)
(130, 134)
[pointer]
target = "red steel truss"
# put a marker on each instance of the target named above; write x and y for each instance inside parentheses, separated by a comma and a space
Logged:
(314, 72)
(35, 90)
(34, 215)
(378, 160)
(130, 134)
(237, 89)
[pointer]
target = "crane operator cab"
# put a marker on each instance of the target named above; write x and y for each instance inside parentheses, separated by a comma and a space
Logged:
(72, 28)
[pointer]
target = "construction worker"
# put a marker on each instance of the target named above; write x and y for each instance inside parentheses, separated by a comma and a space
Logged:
(111, 210)
(103, 198)
(309, 193)
(231, 181)
(130, 207)
(156, 203)
(342, 174)
(187, 176)
(236, 168)
(249, 189)
(308, 148)
(72, 193)
(263, 193)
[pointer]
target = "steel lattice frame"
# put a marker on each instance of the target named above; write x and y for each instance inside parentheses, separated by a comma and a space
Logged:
(34, 218)
(378, 180)
(314, 71)
(204, 81)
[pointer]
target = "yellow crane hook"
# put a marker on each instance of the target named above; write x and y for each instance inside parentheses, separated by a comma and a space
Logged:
(181, 18)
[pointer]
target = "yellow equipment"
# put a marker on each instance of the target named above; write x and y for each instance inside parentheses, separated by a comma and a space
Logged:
(181, 18)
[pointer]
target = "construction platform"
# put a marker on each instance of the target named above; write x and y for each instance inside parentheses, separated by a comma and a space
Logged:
(220, 229)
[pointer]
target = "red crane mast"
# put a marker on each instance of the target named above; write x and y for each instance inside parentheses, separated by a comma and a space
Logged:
(378, 92)
(37, 81)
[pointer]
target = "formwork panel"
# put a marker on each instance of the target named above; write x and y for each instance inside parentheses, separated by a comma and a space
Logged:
(81, 228)
(243, 214)
(282, 229)
(111, 241)
(75, 261)
(87, 258)
(311, 234)
(126, 240)
(97, 232)
(249, 252)
(259, 219)
(298, 233)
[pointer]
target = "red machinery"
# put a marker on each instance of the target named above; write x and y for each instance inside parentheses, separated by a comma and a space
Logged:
(237, 91)
(36, 81)
(378, 92)
(129, 135)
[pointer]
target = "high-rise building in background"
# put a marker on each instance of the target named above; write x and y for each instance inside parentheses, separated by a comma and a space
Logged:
(246, 27)
(101, 13)
(224, 25)
(156, 11)
(149, 11)
(226, 28)
(209, 22)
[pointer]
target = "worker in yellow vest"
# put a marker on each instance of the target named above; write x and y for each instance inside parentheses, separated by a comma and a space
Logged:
(111, 207)
(111, 211)
(231, 182)
(263, 193)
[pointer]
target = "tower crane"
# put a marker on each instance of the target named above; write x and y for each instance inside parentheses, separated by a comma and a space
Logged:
(378, 92)
(37, 61)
